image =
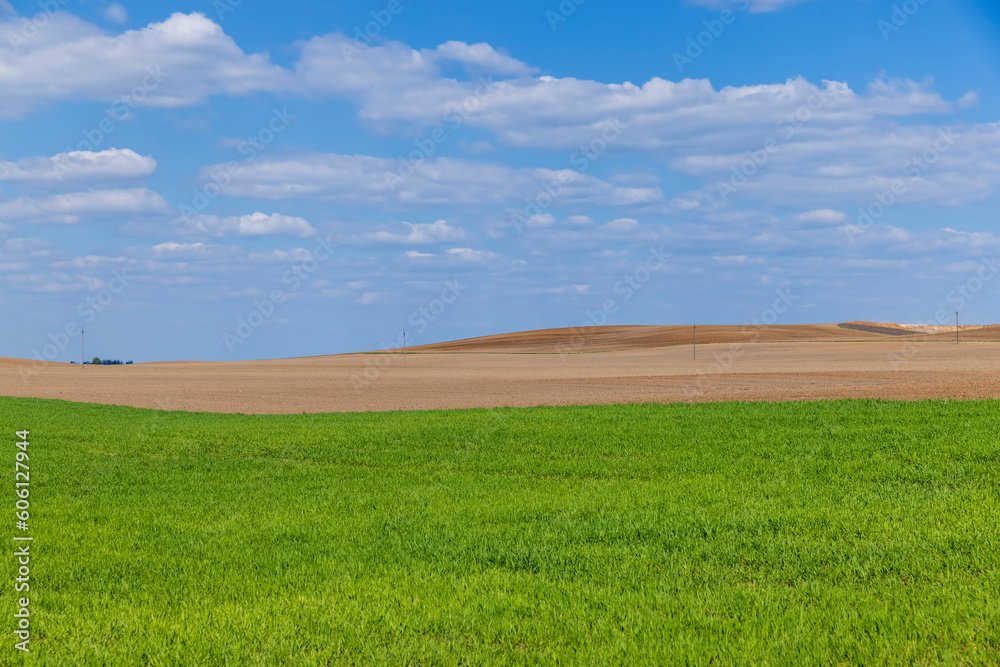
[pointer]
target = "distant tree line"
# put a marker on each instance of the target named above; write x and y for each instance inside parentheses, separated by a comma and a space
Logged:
(107, 362)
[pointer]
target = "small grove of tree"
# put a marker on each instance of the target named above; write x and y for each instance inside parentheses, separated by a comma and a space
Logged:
(109, 362)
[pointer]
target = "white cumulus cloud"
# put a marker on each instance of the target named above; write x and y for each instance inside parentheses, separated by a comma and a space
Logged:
(434, 232)
(75, 168)
(76, 207)
(177, 62)
(255, 224)
(823, 215)
(366, 180)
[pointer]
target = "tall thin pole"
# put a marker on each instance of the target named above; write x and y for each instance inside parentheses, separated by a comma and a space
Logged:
(83, 354)
(956, 327)
(404, 348)
(694, 342)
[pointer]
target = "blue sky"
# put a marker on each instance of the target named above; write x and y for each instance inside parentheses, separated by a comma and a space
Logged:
(223, 180)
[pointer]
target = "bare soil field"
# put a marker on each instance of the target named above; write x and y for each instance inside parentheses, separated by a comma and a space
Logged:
(553, 367)
(612, 339)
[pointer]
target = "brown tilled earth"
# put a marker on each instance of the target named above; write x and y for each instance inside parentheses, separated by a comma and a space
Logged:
(552, 367)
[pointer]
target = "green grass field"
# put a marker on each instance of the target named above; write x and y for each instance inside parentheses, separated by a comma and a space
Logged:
(853, 532)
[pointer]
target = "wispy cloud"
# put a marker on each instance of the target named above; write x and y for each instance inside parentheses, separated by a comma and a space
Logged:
(754, 5)
(77, 207)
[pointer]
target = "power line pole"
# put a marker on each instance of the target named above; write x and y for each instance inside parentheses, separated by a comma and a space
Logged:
(694, 342)
(404, 348)
(956, 327)
(83, 354)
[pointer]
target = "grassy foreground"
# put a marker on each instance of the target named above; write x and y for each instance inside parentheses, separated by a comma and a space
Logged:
(852, 532)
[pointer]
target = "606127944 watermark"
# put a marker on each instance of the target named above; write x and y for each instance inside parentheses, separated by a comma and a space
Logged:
(22, 543)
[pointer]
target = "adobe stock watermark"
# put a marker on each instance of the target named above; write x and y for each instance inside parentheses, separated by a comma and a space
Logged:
(725, 360)
(756, 160)
(120, 109)
(581, 160)
(714, 29)
(562, 13)
(629, 285)
(456, 116)
(251, 148)
(87, 310)
(958, 298)
(30, 27)
(420, 320)
(22, 554)
(223, 7)
(425, 316)
(915, 167)
(363, 37)
(294, 278)
(900, 16)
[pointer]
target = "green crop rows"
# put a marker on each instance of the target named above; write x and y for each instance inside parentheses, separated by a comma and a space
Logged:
(853, 532)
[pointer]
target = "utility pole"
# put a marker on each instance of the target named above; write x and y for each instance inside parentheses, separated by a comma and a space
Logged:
(694, 342)
(404, 348)
(83, 355)
(956, 327)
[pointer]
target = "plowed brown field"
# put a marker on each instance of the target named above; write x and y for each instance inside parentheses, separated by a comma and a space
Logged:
(552, 367)
(611, 339)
